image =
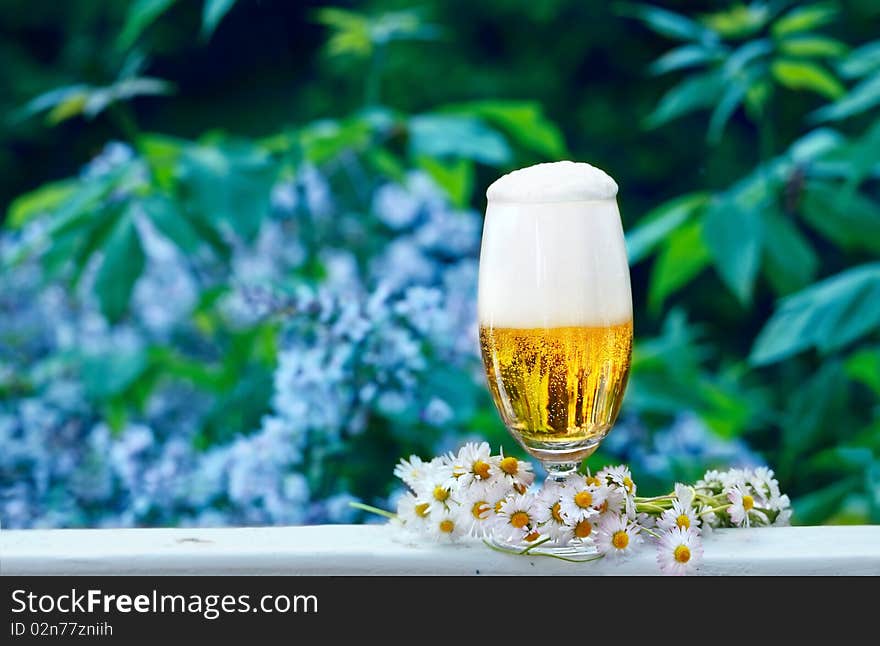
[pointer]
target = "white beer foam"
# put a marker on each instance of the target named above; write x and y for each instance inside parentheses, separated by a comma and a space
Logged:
(553, 182)
(553, 263)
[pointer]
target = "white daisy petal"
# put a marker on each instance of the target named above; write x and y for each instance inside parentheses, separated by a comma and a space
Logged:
(679, 551)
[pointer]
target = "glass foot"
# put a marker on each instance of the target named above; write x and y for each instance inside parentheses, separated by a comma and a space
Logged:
(578, 549)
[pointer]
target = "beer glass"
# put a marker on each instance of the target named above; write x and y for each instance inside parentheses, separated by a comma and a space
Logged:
(555, 309)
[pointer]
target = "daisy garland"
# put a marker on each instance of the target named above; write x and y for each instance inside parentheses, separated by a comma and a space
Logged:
(473, 495)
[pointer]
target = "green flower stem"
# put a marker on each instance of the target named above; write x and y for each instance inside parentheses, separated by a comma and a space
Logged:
(647, 507)
(668, 497)
(714, 509)
(651, 532)
(373, 510)
(527, 549)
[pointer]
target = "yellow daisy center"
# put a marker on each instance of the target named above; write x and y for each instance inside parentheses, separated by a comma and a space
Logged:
(480, 507)
(628, 484)
(519, 487)
(556, 512)
(520, 519)
(583, 529)
(481, 469)
(593, 480)
(441, 494)
(422, 509)
(620, 539)
(532, 536)
(683, 521)
(510, 466)
(583, 499)
(748, 503)
(446, 526)
(682, 554)
(498, 506)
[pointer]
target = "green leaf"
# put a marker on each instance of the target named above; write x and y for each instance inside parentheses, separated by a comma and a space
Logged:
(864, 367)
(660, 222)
(756, 98)
(438, 135)
(172, 223)
(228, 185)
(810, 46)
(122, 265)
(51, 99)
(827, 316)
(684, 256)
(739, 21)
(522, 121)
(812, 410)
(108, 374)
(739, 60)
(864, 96)
(213, 12)
(685, 56)
(846, 217)
(802, 19)
(40, 201)
(101, 98)
(814, 145)
(455, 176)
(93, 236)
(734, 235)
(815, 507)
(789, 261)
(803, 75)
(141, 14)
(861, 61)
(666, 23)
(163, 155)
(73, 106)
(691, 94)
(326, 139)
(728, 103)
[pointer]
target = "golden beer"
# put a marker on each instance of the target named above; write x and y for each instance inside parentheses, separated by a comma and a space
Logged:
(557, 385)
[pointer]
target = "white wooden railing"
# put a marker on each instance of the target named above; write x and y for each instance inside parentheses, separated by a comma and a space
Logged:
(354, 549)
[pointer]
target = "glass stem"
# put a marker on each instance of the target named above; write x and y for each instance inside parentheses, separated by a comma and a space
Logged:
(559, 471)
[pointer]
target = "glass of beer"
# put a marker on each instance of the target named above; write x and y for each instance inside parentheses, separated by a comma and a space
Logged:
(555, 309)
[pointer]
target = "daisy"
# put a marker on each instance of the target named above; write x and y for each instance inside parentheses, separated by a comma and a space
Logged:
(413, 511)
(579, 500)
(476, 513)
(741, 503)
(516, 519)
(516, 472)
(708, 518)
(615, 500)
(616, 536)
(734, 477)
(437, 486)
(679, 516)
(621, 476)
(684, 494)
(710, 480)
(782, 505)
(548, 513)
(764, 484)
(679, 551)
(445, 527)
(583, 529)
(474, 464)
(411, 470)
(646, 520)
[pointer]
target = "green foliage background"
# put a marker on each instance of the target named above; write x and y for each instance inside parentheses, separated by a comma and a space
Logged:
(744, 137)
